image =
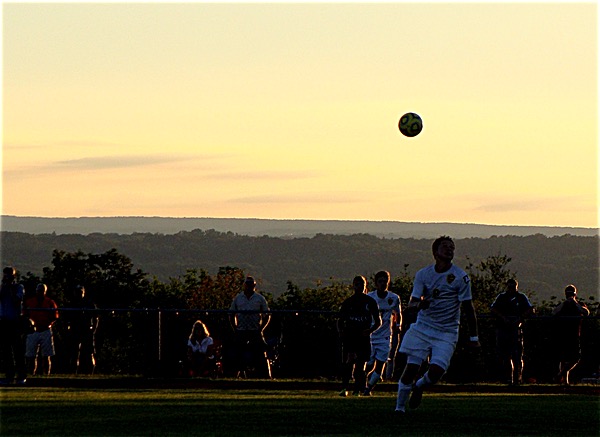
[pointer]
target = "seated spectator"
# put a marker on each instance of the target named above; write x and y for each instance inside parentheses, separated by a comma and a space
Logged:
(199, 352)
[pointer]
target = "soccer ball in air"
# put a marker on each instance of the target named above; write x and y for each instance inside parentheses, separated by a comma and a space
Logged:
(410, 124)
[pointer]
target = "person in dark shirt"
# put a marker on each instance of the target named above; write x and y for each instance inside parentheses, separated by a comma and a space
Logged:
(82, 325)
(570, 313)
(12, 345)
(359, 317)
(511, 308)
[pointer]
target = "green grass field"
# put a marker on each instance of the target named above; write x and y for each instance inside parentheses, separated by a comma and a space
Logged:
(256, 412)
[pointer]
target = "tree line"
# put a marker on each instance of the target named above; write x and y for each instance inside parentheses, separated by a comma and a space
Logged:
(543, 265)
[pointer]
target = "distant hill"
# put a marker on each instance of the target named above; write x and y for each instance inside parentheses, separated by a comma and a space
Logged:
(543, 265)
(273, 228)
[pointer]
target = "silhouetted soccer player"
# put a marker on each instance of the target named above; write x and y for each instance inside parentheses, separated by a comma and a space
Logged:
(381, 341)
(439, 291)
(358, 318)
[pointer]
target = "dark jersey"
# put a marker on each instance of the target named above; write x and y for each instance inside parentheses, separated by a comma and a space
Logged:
(570, 318)
(511, 305)
(356, 314)
(80, 321)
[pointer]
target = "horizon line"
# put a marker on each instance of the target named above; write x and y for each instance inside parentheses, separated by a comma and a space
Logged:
(299, 219)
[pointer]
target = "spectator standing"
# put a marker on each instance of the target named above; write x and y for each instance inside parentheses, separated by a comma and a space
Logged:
(12, 346)
(43, 313)
(570, 313)
(511, 308)
(249, 317)
(82, 325)
(359, 317)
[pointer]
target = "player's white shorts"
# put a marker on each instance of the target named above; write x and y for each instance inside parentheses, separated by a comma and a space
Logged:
(44, 340)
(420, 342)
(380, 350)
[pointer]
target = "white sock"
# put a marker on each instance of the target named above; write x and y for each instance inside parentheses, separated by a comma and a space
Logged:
(403, 394)
(374, 379)
(424, 381)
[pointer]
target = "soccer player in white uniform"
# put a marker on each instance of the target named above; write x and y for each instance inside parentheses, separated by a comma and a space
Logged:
(381, 339)
(439, 291)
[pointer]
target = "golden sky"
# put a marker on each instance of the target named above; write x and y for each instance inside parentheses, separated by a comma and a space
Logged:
(290, 110)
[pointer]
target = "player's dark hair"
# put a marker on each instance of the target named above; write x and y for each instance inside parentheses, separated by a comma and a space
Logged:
(512, 281)
(570, 290)
(9, 271)
(439, 240)
(359, 278)
(382, 274)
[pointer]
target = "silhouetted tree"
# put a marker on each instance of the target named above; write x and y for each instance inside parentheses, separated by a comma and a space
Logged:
(109, 278)
(488, 279)
(402, 285)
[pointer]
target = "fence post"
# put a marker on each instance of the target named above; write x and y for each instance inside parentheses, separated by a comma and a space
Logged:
(159, 337)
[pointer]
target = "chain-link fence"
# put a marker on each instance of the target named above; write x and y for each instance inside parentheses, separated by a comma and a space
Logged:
(300, 344)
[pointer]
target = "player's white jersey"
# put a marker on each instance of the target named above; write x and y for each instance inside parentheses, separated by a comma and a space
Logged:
(446, 291)
(389, 304)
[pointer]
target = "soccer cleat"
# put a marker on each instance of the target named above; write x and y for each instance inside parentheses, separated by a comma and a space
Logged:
(356, 393)
(343, 393)
(21, 381)
(366, 392)
(415, 397)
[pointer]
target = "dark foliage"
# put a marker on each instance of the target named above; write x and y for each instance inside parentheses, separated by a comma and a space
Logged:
(543, 265)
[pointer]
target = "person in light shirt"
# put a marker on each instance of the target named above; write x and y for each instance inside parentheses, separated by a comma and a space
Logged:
(249, 316)
(381, 339)
(198, 346)
(439, 292)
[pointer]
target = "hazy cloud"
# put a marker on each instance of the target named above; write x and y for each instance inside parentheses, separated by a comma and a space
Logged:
(108, 162)
(301, 198)
(111, 162)
(9, 147)
(85, 144)
(217, 167)
(74, 144)
(266, 175)
(530, 204)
